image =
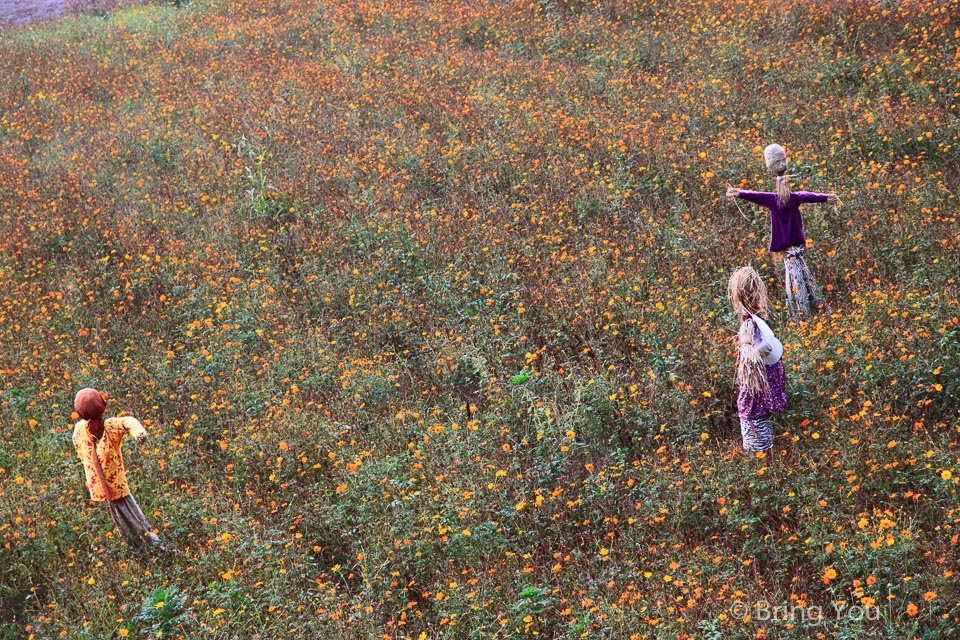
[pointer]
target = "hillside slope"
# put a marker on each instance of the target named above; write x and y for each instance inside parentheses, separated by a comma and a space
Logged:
(423, 305)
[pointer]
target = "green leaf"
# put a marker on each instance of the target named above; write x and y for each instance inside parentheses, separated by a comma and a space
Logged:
(520, 378)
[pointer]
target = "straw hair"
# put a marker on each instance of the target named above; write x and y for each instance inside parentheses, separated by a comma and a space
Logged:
(748, 295)
(783, 188)
(747, 292)
(751, 369)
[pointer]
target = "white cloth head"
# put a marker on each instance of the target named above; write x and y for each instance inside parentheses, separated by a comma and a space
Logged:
(776, 159)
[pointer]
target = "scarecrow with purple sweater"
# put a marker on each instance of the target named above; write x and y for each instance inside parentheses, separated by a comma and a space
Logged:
(786, 232)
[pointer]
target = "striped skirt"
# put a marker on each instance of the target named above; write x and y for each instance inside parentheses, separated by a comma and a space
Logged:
(757, 434)
(803, 299)
(132, 523)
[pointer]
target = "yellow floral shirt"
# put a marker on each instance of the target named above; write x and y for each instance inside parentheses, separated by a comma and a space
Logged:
(108, 450)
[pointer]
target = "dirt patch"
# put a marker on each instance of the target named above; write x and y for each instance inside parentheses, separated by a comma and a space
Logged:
(21, 12)
(16, 13)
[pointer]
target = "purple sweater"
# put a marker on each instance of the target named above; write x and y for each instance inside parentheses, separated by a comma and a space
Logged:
(786, 225)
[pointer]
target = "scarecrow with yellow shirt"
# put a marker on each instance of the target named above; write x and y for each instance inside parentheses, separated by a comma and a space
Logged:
(98, 442)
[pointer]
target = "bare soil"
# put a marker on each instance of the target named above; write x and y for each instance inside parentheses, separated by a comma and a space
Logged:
(21, 12)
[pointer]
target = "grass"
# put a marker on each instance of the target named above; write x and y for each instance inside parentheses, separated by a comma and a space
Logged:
(423, 307)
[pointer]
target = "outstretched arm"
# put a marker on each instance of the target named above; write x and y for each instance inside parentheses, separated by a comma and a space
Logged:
(762, 198)
(808, 196)
(135, 429)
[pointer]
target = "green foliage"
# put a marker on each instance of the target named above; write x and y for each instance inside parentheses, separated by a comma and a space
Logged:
(164, 612)
(520, 378)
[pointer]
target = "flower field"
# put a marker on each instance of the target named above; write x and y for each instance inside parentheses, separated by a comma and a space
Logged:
(423, 305)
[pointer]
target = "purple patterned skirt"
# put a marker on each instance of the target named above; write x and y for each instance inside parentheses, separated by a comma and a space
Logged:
(751, 406)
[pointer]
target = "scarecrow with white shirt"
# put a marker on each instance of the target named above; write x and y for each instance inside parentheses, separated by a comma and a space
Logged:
(760, 373)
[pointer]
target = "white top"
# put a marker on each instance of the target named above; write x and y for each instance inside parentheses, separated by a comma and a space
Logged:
(769, 347)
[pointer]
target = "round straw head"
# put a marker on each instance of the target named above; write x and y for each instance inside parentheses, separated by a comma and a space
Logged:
(747, 292)
(776, 159)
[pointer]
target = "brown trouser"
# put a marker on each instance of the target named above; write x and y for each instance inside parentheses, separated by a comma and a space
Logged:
(129, 519)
